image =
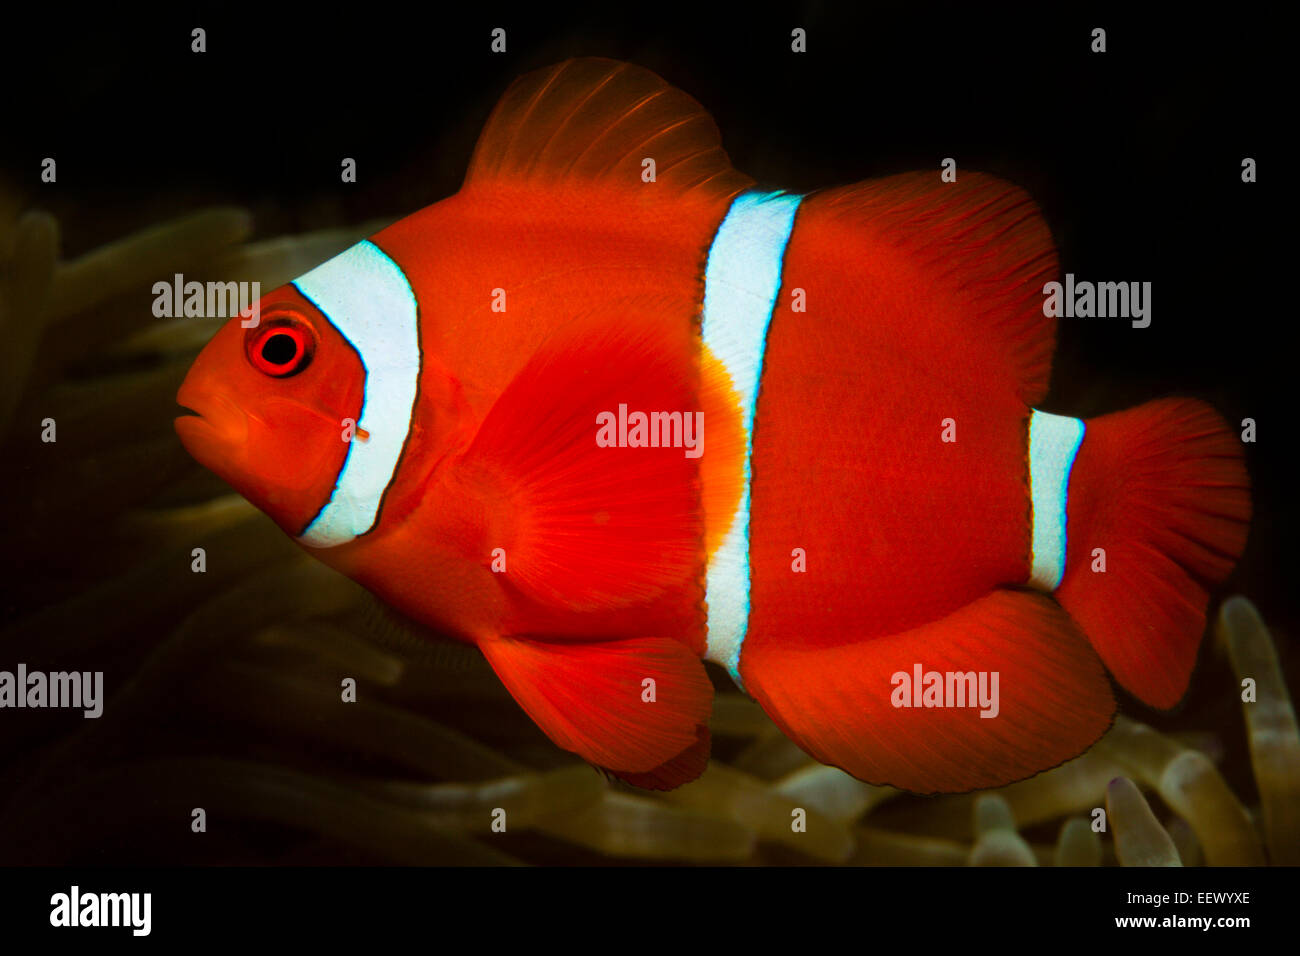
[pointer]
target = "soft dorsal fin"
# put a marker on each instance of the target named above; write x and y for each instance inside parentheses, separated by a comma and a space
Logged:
(983, 241)
(593, 119)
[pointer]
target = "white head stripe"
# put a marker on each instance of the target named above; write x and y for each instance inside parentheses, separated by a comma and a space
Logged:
(366, 297)
(741, 282)
(1053, 442)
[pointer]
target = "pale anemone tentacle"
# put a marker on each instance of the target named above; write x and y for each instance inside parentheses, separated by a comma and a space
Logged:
(996, 841)
(1192, 787)
(1078, 844)
(734, 795)
(1140, 840)
(1270, 725)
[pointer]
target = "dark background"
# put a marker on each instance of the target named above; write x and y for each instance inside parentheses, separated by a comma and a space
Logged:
(1134, 155)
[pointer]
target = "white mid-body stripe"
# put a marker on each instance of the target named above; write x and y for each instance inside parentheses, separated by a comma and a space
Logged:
(366, 297)
(741, 282)
(1053, 442)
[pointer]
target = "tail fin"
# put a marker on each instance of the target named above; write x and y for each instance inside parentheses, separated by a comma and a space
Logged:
(1163, 491)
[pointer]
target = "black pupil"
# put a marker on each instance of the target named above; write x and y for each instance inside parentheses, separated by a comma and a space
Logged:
(280, 349)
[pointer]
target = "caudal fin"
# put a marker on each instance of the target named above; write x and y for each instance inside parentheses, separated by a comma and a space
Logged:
(1160, 499)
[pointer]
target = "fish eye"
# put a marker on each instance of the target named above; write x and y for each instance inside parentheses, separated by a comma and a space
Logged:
(281, 347)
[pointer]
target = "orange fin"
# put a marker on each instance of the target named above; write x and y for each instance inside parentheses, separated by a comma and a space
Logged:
(838, 703)
(594, 119)
(683, 768)
(584, 526)
(1162, 488)
(981, 242)
(591, 698)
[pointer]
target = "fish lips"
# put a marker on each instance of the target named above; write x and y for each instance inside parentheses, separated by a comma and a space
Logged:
(216, 434)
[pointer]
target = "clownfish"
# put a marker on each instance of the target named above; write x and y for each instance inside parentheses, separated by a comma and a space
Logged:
(611, 411)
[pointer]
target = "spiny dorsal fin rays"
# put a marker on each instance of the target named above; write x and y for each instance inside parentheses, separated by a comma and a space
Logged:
(596, 120)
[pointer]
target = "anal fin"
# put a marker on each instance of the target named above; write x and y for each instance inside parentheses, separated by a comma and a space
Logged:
(1053, 699)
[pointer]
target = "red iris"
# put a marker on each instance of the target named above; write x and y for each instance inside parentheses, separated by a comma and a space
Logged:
(281, 348)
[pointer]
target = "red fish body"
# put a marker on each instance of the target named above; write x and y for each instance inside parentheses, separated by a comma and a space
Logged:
(613, 411)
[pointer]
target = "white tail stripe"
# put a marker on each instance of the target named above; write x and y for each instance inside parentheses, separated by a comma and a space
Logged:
(1053, 442)
(741, 282)
(366, 297)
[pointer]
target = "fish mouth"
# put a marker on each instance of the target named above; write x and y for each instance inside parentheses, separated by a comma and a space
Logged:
(213, 429)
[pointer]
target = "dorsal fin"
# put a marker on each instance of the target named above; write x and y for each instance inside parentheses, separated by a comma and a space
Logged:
(591, 119)
(983, 241)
